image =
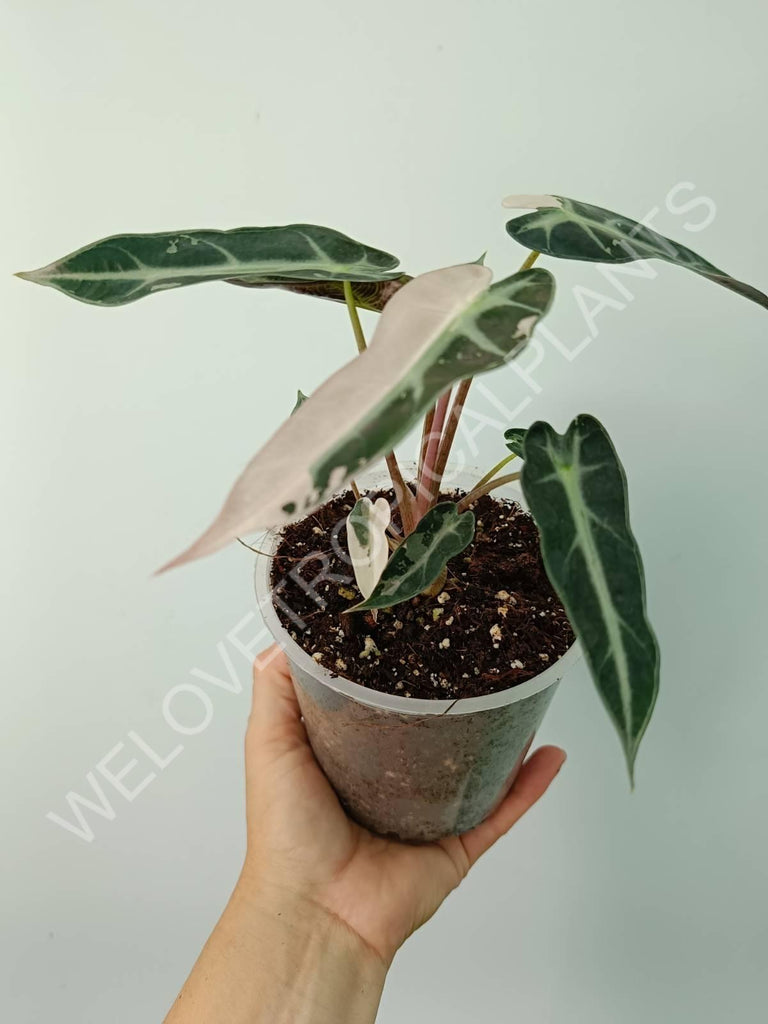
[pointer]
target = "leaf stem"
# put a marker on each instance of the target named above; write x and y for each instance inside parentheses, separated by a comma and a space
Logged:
(492, 472)
(478, 492)
(424, 485)
(403, 494)
(429, 421)
(449, 434)
(531, 258)
(357, 327)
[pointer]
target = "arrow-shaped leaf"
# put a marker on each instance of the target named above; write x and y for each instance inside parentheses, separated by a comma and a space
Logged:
(422, 556)
(579, 231)
(576, 489)
(440, 328)
(515, 439)
(367, 541)
(124, 268)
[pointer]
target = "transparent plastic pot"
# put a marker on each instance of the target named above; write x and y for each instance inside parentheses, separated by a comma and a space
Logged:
(411, 768)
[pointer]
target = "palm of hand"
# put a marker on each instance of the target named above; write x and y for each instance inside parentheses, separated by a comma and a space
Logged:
(302, 840)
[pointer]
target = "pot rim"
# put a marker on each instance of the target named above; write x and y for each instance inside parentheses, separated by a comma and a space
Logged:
(389, 701)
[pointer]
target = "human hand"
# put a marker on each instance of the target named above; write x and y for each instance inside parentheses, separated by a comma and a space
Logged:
(305, 850)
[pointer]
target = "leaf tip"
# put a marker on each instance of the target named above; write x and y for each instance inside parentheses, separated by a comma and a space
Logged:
(359, 607)
(213, 540)
(630, 752)
(174, 562)
(528, 202)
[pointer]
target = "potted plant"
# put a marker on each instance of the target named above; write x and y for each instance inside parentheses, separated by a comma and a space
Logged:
(427, 617)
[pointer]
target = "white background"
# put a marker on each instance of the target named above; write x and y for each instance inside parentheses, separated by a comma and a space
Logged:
(121, 430)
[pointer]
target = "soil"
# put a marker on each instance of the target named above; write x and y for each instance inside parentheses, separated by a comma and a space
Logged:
(496, 623)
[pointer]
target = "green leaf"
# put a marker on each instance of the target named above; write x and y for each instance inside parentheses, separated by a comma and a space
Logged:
(578, 231)
(515, 439)
(437, 330)
(422, 556)
(372, 295)
(577, 491)
(124, 268)
(300, 400)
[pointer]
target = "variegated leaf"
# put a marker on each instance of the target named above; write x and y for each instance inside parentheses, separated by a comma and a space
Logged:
(579, 231)
(367, 542)
(438, 329)
(418, 562)
(577, 491)
(124, 268)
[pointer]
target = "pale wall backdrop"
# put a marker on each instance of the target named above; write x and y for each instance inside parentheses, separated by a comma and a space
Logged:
(403, 124)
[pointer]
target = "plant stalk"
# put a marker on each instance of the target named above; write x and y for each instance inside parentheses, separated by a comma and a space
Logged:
(492, 472)
(478, 492)
(434, 588)
(354, 317)
(429, 421)
(403, 494)
(424, 486)
(449, 434)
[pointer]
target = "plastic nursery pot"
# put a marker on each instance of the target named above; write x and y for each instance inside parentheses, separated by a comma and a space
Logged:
(411, 768)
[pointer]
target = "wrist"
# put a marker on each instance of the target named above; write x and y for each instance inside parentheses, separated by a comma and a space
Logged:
(316, 968)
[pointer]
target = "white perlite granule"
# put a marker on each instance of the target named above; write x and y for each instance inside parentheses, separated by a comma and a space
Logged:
(369, 648)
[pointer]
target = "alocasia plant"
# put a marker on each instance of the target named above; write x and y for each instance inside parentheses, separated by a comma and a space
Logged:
(436, 332)
(367, 541)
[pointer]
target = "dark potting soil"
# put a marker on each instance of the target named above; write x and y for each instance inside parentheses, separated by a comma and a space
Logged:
(496, 622)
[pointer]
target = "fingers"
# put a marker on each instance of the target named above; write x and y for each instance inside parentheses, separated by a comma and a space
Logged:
(275, 713)
(532, 782)
(273, 657)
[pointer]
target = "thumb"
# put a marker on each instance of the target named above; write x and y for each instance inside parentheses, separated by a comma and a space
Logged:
(275, 719)
(531, 783)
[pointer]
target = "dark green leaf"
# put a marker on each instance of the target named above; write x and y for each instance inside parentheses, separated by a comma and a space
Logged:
(124, 268)
(577, 491)
(515, 438)
(422, 556)
(579, 231)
